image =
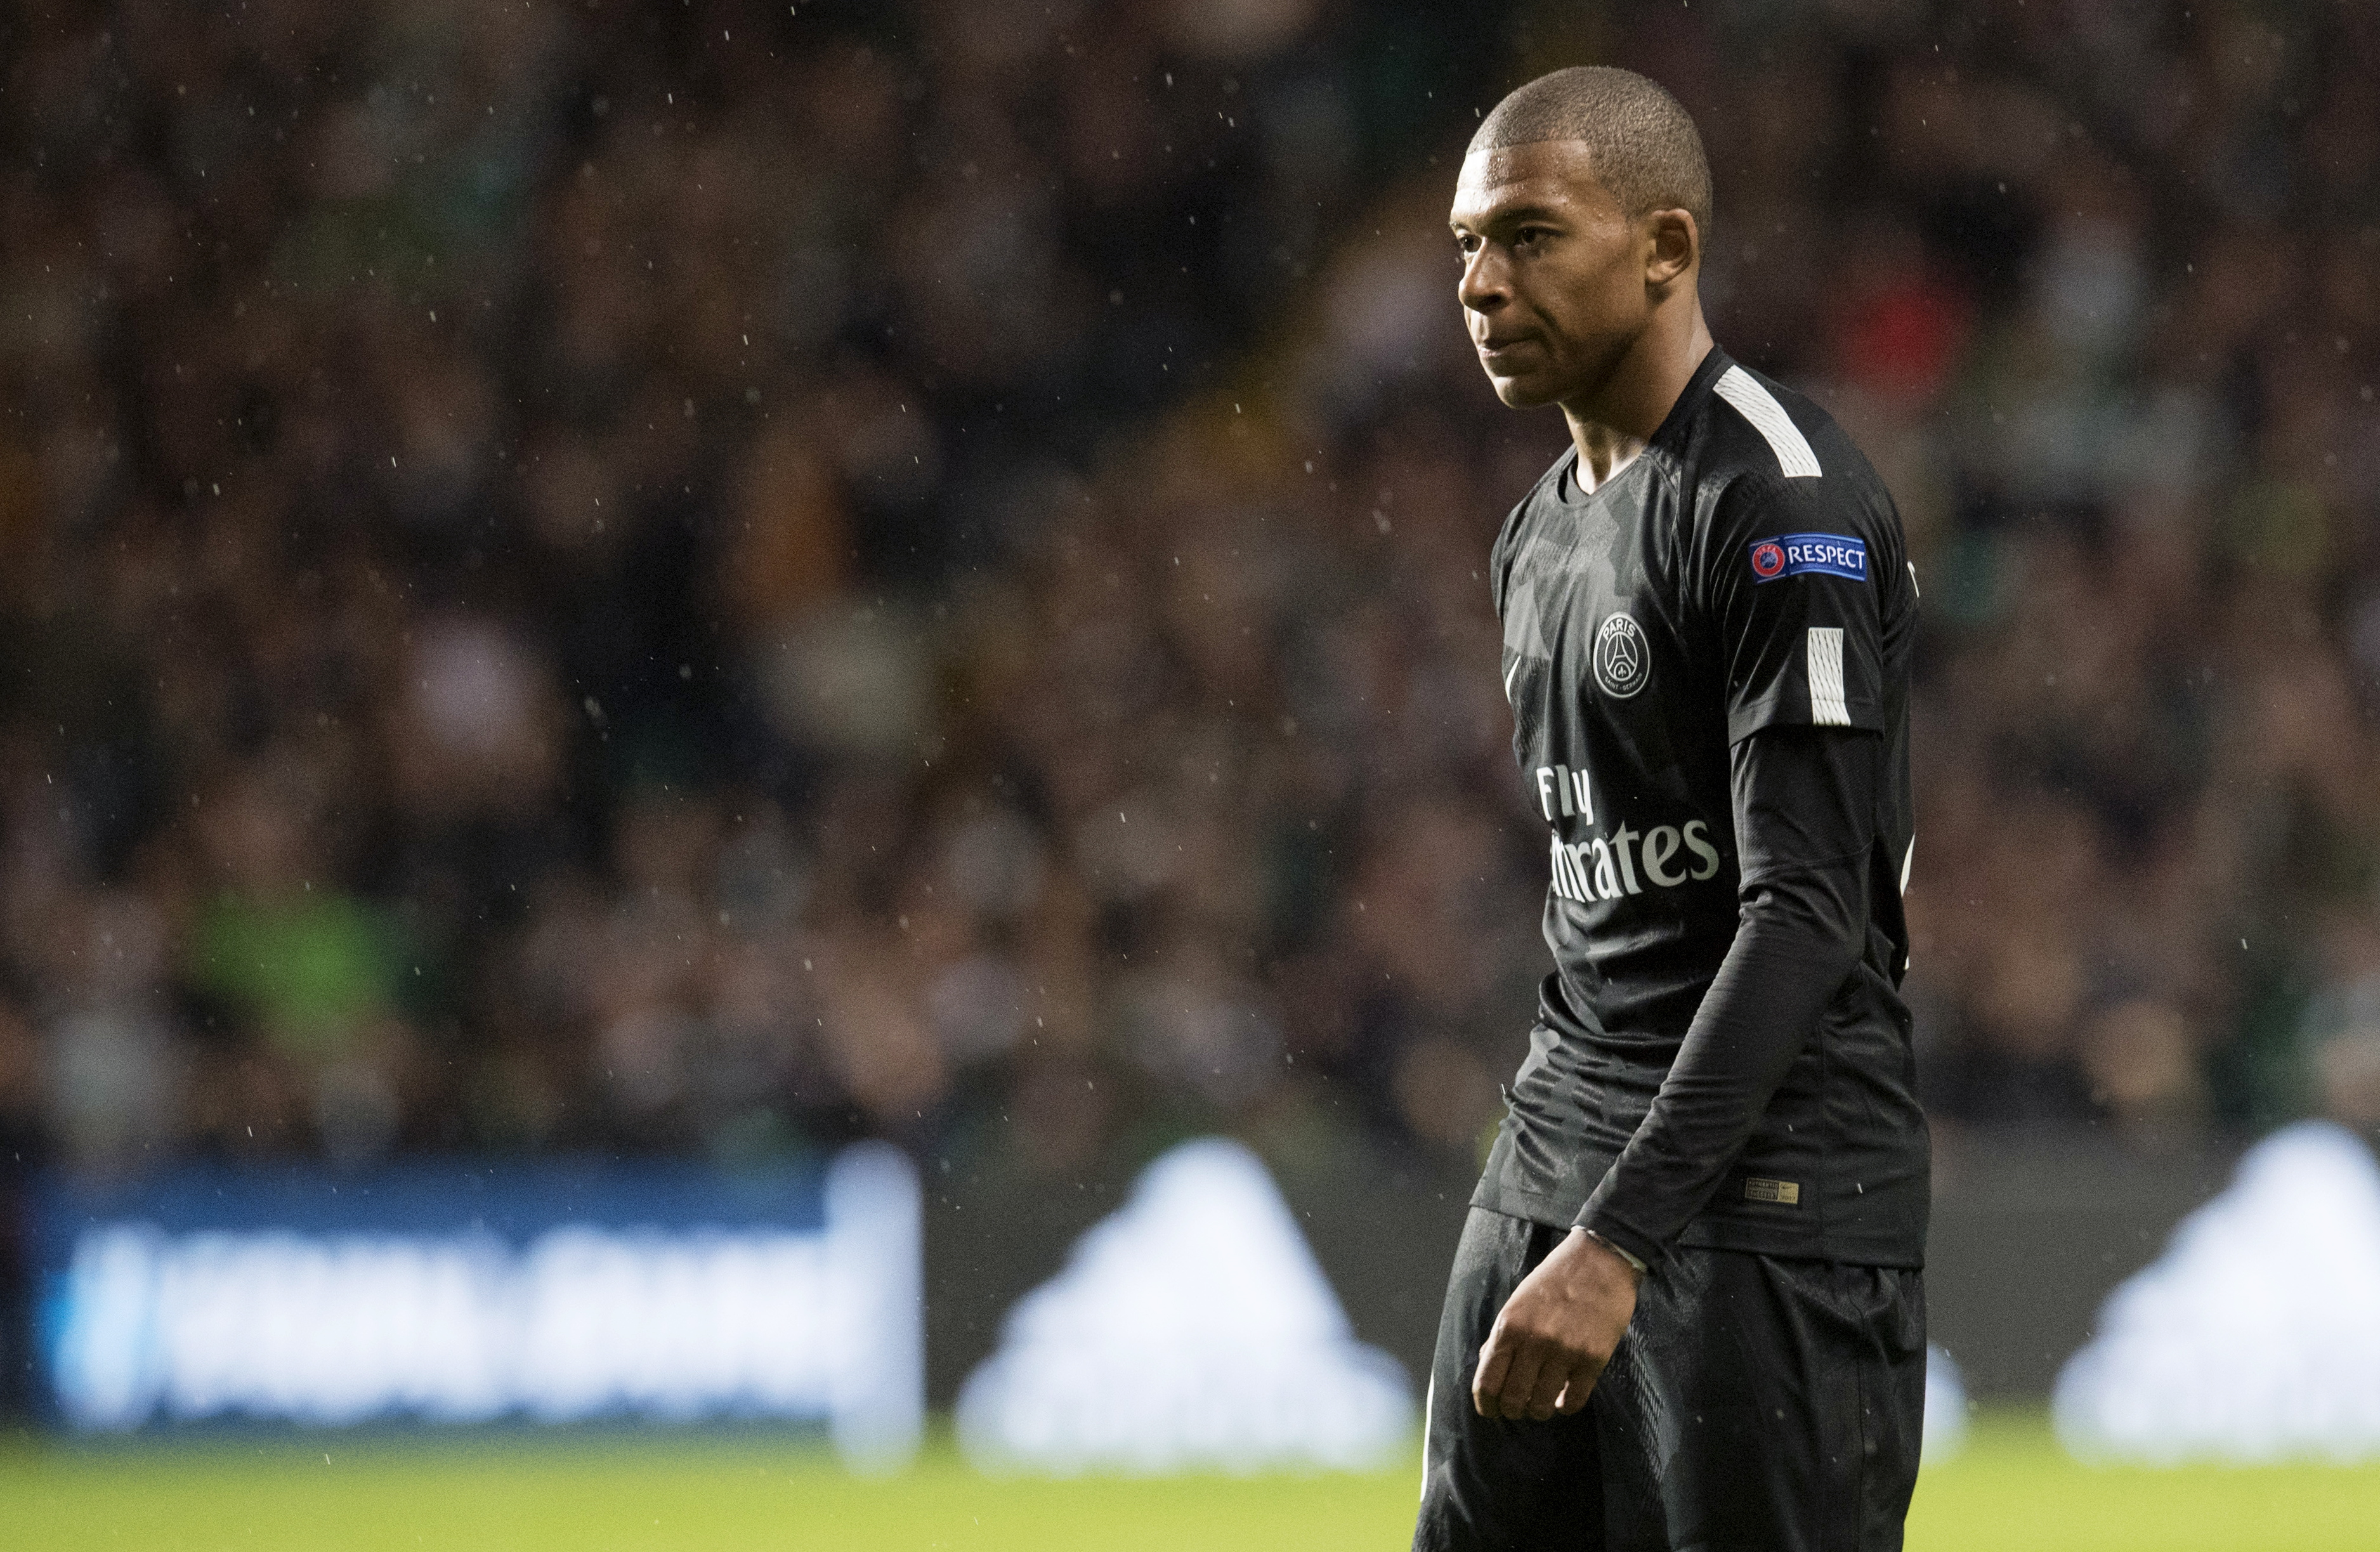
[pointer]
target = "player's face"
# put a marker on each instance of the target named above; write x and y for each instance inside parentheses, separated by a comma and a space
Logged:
(1554, 272)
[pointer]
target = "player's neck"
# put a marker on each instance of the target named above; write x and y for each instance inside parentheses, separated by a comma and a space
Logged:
(1612, 427)
(1602, 454)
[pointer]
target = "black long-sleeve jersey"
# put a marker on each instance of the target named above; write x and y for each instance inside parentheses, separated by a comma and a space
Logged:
(1708, 660)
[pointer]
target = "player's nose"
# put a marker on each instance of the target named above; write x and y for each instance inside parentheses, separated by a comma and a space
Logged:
(1483, 287)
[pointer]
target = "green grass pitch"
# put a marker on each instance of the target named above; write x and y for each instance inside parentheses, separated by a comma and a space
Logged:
(2010, 1491)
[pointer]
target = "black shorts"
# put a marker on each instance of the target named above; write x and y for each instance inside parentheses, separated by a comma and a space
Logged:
(1756, 1404)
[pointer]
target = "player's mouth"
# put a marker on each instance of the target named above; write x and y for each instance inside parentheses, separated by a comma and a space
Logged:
(1493, 350)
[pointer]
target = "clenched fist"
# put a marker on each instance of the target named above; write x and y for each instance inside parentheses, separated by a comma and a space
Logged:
(1557, 1332)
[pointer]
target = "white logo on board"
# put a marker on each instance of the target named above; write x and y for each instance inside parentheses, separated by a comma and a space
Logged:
(1623, 660)
(2286, 1264)
(1193, 1330)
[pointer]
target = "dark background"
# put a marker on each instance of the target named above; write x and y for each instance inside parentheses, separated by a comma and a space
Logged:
(710, 579)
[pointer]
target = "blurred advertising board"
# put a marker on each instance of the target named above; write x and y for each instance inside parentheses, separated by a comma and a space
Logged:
(2255, 1336)
(1191, 1329)
(461, 1293)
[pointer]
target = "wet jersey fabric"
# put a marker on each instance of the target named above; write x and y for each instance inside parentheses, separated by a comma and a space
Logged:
(1708, 660)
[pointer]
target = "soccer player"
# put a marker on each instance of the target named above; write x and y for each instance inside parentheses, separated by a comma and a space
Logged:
(1687, 1311)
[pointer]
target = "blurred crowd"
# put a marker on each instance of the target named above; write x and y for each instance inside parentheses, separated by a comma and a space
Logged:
(716, 576)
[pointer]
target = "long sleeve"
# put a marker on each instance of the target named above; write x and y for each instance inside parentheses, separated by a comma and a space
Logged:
(1804, 801)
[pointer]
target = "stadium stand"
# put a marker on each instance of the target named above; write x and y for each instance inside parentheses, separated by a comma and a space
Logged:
(724, 579)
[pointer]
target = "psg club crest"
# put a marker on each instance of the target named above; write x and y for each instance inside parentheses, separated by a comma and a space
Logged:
(1623, 660)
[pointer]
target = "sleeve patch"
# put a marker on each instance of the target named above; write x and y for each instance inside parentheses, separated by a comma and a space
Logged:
(1827, 706)
(1796, 554)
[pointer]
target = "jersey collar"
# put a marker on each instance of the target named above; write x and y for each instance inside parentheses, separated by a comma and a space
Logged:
(1669, 436)
(1671, 433)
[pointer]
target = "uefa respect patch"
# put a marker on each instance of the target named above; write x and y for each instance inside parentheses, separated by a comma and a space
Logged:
(1795, 554)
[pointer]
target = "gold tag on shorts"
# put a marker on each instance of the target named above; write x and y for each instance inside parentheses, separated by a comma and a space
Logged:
(1783, 1193)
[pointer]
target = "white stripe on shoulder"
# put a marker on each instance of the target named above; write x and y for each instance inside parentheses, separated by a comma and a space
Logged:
(1758, 405)
(1828, 708)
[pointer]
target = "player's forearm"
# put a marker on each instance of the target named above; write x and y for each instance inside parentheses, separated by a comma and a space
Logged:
(1803, 802)
(1794, 946)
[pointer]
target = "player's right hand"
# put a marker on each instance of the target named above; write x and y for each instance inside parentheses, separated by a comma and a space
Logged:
(1556, 1333)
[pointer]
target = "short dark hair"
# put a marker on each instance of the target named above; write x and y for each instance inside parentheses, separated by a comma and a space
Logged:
(1644, 145)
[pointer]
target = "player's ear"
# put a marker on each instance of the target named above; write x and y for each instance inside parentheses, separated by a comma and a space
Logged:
(1675, 250)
